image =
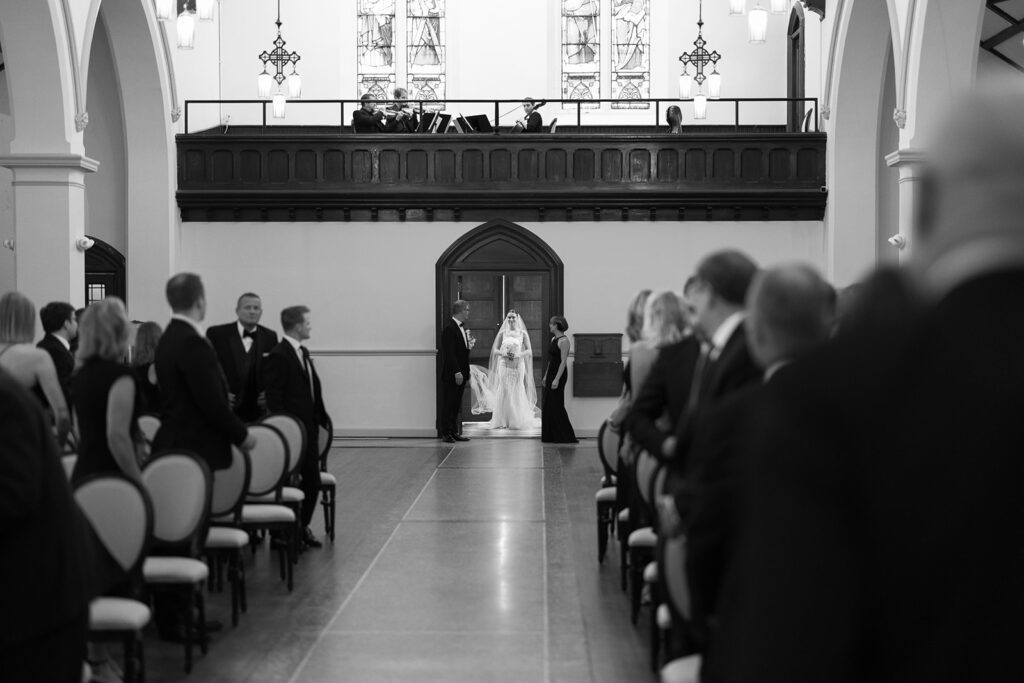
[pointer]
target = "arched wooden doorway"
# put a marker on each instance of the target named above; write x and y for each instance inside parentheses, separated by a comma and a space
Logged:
(497, 266)
(105, 273)
(796, 68)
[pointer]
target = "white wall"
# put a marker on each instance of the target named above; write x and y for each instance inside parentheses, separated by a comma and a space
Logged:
(994, 71)
(7, 279)
(106, 189)
(371, 290)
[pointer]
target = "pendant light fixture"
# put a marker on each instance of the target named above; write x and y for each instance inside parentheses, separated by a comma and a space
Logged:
(737, 6)
(780, 6)
(186, 25)
(204, 10)
(164, 9)
(757, 23)
(279, 58)
(700, 58)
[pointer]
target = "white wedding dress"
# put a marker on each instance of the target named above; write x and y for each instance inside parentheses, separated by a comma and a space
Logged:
(507, 390)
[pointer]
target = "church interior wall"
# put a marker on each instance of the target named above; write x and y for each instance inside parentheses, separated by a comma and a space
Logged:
(992, 71)
(371, 288)
(106, 189)
(7, 279)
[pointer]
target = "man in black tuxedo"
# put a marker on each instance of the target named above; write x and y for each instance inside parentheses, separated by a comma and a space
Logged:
(61, 329)
(401, 117)
(454, 371)
(368, 119)
(195, 414)
(293, 387)
(884, 540)
(241, 347)
(46, 577)
(790, 314)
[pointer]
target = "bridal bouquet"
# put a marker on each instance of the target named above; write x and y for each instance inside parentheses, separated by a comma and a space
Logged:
(508, 349)
(470, 339)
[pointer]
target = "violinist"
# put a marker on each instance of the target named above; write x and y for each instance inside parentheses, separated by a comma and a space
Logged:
(401, 117)
(531, 121)
(368, 119)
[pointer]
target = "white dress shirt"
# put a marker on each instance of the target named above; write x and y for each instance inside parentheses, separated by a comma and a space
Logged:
(462, 329)
(246, 341)
(64, 342)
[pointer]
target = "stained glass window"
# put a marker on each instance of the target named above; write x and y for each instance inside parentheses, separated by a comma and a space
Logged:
(581, 50)
(425, 44)
(631, 60)
(376, 47)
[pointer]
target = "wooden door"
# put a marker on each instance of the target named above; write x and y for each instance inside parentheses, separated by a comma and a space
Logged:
(490, 294)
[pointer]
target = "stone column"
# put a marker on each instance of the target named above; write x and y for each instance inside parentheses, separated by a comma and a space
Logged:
(908, 162)
(49, 218)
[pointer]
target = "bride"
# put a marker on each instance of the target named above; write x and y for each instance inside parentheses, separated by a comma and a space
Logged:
(507, 389)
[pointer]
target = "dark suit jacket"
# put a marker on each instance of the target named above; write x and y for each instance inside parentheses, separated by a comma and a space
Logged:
(243, 373)
(288, 389)
(454, 354)
(63, 361)
(195, 413)
(406, 125)
(885, 540)
(46, 572)
(368, 122)
(665, 392)
(534, 123)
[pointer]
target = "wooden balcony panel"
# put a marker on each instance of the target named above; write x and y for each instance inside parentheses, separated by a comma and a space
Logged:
(303, 176)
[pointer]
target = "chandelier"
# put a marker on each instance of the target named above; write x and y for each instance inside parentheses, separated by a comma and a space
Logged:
(699, 57)
(280, 58)
(188, 11)
(757, 19)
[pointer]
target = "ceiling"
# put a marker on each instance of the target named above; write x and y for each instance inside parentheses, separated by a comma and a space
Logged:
(1002, 33)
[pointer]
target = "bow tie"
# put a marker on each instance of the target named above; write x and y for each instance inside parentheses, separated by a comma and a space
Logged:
(249, 334)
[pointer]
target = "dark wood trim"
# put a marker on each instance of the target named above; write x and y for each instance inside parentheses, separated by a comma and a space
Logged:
(1000, 55)
(796, 64)
(542, 258)
(102, 258)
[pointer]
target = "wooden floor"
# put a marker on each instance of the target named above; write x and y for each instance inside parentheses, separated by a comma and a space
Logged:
(472, 562)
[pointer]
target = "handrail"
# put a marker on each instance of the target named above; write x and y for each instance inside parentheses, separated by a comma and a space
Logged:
(580, 104)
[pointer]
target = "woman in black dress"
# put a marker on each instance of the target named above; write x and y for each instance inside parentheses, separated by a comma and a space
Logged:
(146, 339)
(555, 426)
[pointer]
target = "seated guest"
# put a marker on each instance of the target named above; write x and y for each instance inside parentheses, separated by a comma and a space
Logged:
(293, 387)
(146, 339)
(60, 327)
(531, 121)
(110, 403)
(368, 119)
(790, 314)
(401, 117)
(29, 365)
(883, 538)
(241, 348)
(639, 363)
(674, 118)
(45, 583)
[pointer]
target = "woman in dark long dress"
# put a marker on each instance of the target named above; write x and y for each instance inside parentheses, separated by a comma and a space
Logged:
(555, 426)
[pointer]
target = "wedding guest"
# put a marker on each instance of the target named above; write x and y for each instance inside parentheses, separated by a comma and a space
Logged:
(674, 119)
(61, 328)
(109, 402)
(79, 312)
(293, 387)
(45, 582)
(884, 537)
(454, 354)
(640, 358)
(147, 337)
(31, 366)
(241, 348)
(555, 425)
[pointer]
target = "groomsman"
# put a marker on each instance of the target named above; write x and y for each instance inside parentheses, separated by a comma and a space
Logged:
(454, 371)
(293, 387)
(242, 347)
(61, 329)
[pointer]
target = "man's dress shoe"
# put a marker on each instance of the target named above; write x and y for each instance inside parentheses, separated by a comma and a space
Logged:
(459, 437)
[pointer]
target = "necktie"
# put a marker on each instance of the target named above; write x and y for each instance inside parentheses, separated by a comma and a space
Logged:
(700, 373)
(462, 331)
(309, 372)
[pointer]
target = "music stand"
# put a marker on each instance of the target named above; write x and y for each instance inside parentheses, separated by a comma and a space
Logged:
(462, 125)
(426, 122)
(480, 123)
(440, 123)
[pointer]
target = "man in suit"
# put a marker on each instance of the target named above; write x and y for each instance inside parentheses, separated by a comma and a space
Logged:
(60, 328)
(401, 118)
(195, 414)
(368, 119)
(885, 541)
(241, 347)
(46, 577)
(293, 387)
(790, 314)
(454, 371)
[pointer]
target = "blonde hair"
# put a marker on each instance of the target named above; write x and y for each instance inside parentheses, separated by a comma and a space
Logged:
(146, 339)
(635, 315)
(17, 318)
(103, 331)
(664, 318)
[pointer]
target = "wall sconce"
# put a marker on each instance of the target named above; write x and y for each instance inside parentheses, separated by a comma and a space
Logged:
(9, 244)
(898, 241)
(84, 243)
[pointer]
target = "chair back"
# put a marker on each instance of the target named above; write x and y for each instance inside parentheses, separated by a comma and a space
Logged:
(268, 460)
(120, 513)
(646, 468)
(607, 445)
(230, 486)
(672, 551)
(178, 483)
(149, 425)
(554, 125)
(69, 462)
(325, 435)
(294, 433)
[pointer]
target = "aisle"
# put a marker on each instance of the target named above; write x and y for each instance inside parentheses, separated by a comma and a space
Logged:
(467, 563)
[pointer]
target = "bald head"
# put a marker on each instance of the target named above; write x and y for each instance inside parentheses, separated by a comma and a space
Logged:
(789, 312)
(975, 173)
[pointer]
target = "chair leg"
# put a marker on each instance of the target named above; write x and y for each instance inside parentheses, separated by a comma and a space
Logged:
(189, 630)
(204, 640)
(623, 556)
(129, 657)
(656, 634)
(636, 580)
(234, 560)
(602, 533)
(333, 510)
(243, 599)
(293, 547)
(140, 647)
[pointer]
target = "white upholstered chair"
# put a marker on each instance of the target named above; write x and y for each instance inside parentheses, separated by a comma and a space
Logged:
(225, 541)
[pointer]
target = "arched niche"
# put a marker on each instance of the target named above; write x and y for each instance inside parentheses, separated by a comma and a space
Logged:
(496, 266)
(796, 71)
(105, 273)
